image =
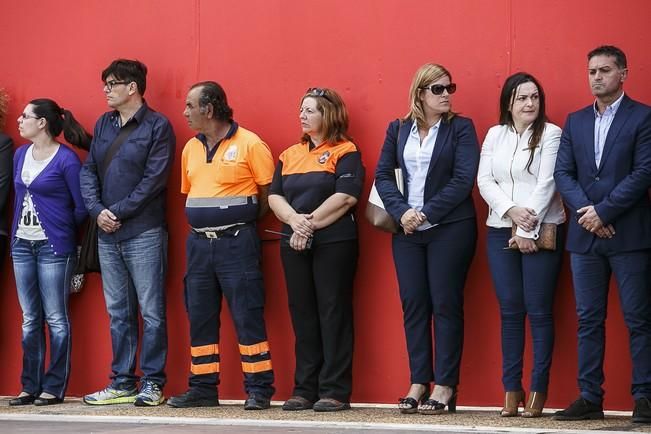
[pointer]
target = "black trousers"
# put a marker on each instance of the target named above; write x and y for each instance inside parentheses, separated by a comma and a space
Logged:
(320, 293)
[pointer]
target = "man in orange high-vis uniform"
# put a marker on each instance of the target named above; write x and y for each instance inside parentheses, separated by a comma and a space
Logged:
(225, 172)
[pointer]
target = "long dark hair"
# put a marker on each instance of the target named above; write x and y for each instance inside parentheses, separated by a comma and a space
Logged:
(506, 102)
(58, 120)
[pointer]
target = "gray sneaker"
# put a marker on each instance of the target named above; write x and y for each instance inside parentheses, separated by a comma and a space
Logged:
(111, 396)
(150, 394)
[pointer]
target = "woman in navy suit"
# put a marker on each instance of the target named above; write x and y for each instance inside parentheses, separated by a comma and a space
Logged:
(438, 153)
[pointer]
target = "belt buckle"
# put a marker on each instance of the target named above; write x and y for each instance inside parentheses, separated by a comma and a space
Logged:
(211, 234)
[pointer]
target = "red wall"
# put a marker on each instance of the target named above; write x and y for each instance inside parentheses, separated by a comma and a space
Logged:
(266, 53)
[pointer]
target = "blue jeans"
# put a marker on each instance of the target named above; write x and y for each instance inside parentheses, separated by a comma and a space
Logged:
(43, 285)
(525, 286)
(591, 274)
(133, 275)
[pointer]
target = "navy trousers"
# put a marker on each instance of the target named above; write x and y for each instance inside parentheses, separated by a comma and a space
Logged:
(525, 286)
(228, 266)
(432, 266)
(591, 274)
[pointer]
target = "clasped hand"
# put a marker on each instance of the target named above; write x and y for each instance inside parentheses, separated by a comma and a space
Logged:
(411, 219)
(524, 218)
(590, 221)
(108, 222)
(302, 225)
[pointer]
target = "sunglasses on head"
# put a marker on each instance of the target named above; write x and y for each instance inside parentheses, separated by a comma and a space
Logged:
(317, 91)
(437, 89)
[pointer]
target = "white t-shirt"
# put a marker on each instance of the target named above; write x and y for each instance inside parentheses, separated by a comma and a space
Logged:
(29, 226)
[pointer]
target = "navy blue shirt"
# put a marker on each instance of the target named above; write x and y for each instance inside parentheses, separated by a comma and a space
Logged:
(135, 184)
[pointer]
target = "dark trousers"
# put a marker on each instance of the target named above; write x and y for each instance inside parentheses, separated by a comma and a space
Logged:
(591, 274)
(320, 293)
(432, 266)
(525, 286)
(230, 267)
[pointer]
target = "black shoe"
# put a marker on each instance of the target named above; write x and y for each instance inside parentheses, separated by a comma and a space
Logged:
(193, 398)
(297, 403)
(642, 411)
(330, 404)
(581, 409)
(257, 402)
(22, 400)
(47, 401)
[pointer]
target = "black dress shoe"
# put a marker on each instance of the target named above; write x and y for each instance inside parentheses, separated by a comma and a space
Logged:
(257, 402)
(22, 400)
(581, 409)
(297, 403)
(47, 401)
(330, 404)
(642, 411)
(193, 398)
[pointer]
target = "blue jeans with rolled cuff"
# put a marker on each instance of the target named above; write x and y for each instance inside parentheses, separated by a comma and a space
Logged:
(43, 285)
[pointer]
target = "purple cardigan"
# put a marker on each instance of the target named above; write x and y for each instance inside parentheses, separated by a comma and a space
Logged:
(56, 196)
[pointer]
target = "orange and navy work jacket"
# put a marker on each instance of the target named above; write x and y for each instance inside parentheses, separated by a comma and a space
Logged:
(307, 175)
(222, 183)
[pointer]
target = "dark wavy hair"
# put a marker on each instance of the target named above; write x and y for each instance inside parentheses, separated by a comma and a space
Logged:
(59, 119)
(506, 102)
(212, 93)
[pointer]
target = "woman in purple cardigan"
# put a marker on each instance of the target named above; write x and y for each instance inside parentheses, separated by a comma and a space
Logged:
(47, 210)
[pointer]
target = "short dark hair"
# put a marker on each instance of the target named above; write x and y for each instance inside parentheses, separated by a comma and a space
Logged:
(59, 119)
(128, 70)
(612, 51)
(212, 93)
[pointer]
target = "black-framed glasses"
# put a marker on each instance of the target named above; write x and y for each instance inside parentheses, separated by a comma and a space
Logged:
(437, 89)
(109, 84)
(317, 91)
(24, 116)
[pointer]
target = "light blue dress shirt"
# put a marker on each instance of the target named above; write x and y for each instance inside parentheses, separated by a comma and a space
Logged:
(417, 157)
(602, 123)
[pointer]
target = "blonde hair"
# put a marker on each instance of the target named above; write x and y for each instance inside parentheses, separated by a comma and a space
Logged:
(4, 106)
(425, 76)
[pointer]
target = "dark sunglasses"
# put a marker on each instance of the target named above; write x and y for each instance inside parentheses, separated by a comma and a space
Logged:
(437, 89)
(317, 91)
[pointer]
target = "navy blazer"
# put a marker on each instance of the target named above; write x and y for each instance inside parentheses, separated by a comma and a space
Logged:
(450, 177)
(6, 164)
(618, 188)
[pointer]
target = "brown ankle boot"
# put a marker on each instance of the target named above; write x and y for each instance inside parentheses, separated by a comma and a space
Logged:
(511, 402)
(535, 404)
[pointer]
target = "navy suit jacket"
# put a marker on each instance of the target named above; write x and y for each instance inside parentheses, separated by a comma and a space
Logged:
(450, 177)
(618, 187)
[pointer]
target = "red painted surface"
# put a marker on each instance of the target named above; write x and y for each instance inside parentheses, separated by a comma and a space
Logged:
(266, 53)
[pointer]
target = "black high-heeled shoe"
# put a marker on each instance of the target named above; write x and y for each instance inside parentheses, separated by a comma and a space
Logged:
(409, 405)
(436, 407)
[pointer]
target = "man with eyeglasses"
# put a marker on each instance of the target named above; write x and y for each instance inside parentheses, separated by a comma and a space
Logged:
(124, 184)
(603, 172)
(225, 172)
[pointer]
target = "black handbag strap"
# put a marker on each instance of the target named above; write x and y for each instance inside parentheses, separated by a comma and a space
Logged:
(115, 146)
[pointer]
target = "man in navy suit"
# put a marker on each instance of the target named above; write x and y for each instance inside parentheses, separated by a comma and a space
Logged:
(603, 172)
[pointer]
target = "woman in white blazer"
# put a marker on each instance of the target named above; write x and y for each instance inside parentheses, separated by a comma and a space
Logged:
(516, 180)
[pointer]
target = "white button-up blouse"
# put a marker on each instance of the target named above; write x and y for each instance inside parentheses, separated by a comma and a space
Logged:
(504, 182)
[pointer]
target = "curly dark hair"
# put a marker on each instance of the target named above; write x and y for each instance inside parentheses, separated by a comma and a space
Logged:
(4, 107)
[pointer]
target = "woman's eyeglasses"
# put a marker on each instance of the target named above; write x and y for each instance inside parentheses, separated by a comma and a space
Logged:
(437, 89)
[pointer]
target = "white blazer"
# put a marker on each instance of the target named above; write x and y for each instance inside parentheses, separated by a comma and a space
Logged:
(504, 182)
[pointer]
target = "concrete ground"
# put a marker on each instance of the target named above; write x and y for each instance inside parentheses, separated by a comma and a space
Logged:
(75, 417)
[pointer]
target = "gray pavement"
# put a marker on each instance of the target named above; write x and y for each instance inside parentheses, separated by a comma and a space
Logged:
(75, 417)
